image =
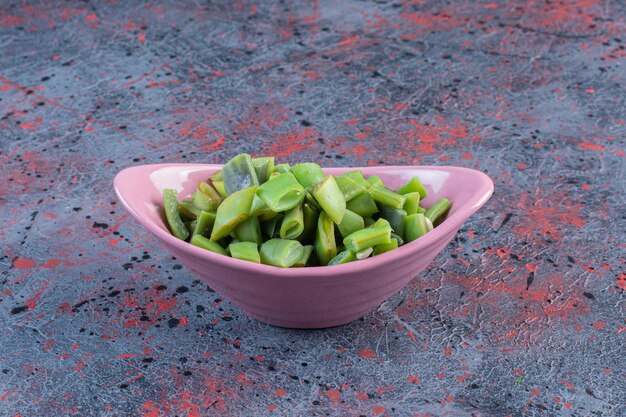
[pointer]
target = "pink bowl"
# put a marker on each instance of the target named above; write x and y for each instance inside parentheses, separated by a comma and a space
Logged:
(313, 297)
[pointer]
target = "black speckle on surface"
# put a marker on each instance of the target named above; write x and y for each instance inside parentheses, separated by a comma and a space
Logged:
(173, 322)
(18, 310)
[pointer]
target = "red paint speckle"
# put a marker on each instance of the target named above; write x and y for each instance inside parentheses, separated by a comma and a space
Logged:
(51, 263)
(413, 379)
(599, 324)
(367, 353)
(591, 146)
(280, 392)
(590, 91)
(567, 384)
(378, 410)
(272, 407)
(334, 395)
(447, 351)
(522, 166)
(23, 263)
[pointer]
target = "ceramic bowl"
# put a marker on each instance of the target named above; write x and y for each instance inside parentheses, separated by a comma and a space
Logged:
(312, 297)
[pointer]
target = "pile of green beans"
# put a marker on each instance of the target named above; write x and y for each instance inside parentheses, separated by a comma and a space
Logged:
(295, 216)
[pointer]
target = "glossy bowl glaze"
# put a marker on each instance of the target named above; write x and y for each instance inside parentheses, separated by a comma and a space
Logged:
(312, 297)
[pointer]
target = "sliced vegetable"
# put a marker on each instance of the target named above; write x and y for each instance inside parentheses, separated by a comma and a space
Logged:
(239, 174)
(367, 238)
(308, 174)
(343, 257)
(206, 197)
(234, 209)
(204, 243)
(281, 252)
(349, 187)
(437, 210)
(351, 223)
(415, 227)
(248, 251)
(385, 247)
(325, 246)
(249, 230)
(363, 205)
(395, 217)
(414, 185)
(177, 227)
(412, 202)
(306, 254)
(293, 223)
(331, 199)
(264, 167)
(387, 197)
(204, 223)
(282, 192)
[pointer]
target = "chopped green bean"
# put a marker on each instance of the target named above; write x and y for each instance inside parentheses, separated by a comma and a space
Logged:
(249, 230)
(325, 246)
(218, 176)
(190, 226)
(368, 221)
(204, 243)
(381, 223)
(272, 226)
(415, 227)
(342, 257)
(366, 238)
(281, 252)
(429, 224)
(310, 200)
(364, 253)
(363, 205)
(239, 174)
(387, 197)
(349, 187)
(375, 180)
(206, 197)
(309, 215)
(204, 223)
(220, 187)
(351, 223)
(414, 185)
(385, 247)
(308, 174)
(329, 196)
(395, 217)
(264, 167)
(421, 210)
(248, 251)
(282, 168)
(437, 210)
(188, 210)
(412, 202)
(177, 227)
(234, 209)
(282, 192)
(293, 223)
(306, 254)
(398, 238)
(358, 177)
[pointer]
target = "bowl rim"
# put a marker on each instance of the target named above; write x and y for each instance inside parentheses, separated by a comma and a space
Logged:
(450, 224)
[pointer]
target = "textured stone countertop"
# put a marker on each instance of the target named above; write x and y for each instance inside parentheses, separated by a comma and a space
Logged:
(521, 315)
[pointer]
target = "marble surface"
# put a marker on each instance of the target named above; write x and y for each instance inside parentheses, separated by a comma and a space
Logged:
(521, 315)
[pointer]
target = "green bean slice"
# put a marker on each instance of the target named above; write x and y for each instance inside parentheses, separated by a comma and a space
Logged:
(281, 252)
(177, 227)
(247, 251)
(331, 199)
(204, 243)
(234, 209)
